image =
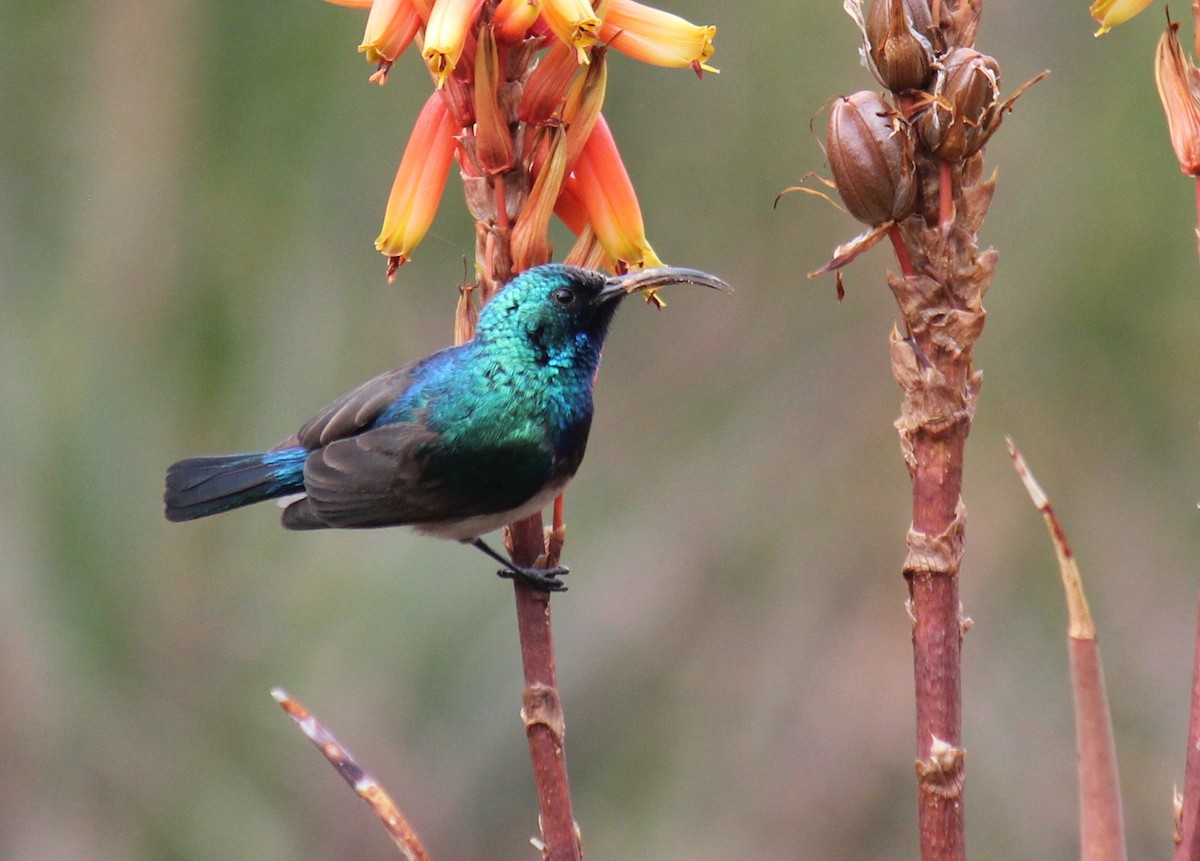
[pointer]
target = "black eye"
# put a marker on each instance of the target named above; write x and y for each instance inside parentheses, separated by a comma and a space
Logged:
(563, 296)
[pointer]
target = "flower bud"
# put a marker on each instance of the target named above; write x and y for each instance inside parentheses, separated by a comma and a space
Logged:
(1177, 80)
(899, 46)
(964, 108)
(870, 154)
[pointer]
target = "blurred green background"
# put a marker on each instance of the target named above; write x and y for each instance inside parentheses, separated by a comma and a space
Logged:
(188, 194)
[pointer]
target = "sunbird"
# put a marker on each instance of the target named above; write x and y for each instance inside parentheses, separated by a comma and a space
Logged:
(456, 444)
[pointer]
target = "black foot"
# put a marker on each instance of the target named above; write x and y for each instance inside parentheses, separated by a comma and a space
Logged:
(544, 579)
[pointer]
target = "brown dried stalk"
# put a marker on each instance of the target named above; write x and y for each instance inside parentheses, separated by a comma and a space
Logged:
(1101, 824)
(362, 783)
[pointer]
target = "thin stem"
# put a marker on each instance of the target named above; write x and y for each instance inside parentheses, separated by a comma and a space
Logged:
(937, 649)
(902, 255)
(502, 224)
(365, 786)
(1198, 215)
(1188, 845)
(541, 707)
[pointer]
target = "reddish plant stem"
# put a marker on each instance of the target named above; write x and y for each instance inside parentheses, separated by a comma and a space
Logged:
(902, 255)
(1198, 215)
(937, 650)
(1188, 847)
(541, 708)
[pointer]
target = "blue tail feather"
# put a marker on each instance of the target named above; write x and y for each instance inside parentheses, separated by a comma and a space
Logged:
(200, 486)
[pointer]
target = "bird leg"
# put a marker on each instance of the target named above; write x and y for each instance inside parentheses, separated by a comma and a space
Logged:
(545, 579)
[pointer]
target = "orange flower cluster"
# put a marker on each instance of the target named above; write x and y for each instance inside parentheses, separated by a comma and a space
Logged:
(518, 89)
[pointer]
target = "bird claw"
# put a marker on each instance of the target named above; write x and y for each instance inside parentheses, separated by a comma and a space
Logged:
(542, 579)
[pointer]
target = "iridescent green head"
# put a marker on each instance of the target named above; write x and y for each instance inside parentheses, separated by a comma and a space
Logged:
(565, 309)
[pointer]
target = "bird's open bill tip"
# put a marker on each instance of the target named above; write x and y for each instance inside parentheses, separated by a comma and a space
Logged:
(642, 280)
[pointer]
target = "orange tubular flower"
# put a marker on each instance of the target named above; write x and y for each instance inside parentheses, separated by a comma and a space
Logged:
(446, 33)
(420, 181)
(656, 37)
(1176, 77)
(574, 22)
(570, 209)
(351, 4)
(1110, 13)
(603, 186)
(391, 26)
(513, 18)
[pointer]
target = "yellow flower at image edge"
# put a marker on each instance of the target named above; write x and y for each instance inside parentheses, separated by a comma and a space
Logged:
(1110, 13)
(420, 181)
(656, 37)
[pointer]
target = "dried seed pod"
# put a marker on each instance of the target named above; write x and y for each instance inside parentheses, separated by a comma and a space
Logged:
(957, 21)
(898, 42)
(1178, 88)
(964, 107)
(870, 151)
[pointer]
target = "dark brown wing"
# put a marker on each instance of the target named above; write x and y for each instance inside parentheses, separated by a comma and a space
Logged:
(375, 478)
(353, 412)
(402, 473)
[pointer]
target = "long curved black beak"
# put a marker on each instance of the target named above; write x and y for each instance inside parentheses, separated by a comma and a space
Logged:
(649, 280)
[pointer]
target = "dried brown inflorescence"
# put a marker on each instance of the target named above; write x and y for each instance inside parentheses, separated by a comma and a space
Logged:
(909, 164)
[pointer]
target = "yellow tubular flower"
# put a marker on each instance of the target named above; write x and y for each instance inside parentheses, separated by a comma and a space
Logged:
(391, 26)
(656, 37)
(1110, 13)
(1175, 76)
(445, 34)
(420, 181)
(603, 187)
(574, 22)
